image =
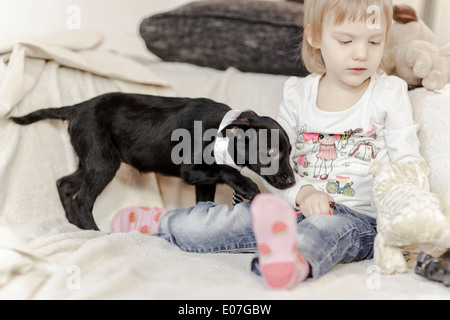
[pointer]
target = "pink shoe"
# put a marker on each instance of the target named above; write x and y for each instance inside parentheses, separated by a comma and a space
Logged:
(143, 219)
(275, 228)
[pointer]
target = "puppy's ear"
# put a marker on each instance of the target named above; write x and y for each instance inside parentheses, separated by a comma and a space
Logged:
(239, 131)
(245, 122)
(241, 123)
(235, 126)
(242, 141)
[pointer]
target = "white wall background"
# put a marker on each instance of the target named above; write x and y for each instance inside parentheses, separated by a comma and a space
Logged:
(441, 23)
(119, 19)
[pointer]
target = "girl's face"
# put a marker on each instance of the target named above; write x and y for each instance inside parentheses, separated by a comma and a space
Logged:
(352, 52)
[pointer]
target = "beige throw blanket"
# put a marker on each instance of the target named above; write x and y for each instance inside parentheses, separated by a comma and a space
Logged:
(50, 71)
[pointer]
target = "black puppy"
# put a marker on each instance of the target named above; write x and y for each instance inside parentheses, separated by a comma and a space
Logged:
(138, 130)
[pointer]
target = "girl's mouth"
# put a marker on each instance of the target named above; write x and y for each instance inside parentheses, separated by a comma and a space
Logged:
(357, 70)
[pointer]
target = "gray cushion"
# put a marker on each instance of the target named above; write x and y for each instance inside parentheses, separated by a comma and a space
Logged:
(253, 36)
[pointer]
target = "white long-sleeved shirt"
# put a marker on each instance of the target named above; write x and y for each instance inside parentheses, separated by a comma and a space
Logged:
(333, 151)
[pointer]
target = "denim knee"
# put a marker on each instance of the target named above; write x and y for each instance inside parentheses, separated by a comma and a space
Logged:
(325, 241)
(323, 230)
(208, 227)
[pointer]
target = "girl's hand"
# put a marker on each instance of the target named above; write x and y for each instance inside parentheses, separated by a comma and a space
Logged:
(312, 201)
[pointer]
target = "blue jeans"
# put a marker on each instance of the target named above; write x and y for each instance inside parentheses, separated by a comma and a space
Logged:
(324, 241)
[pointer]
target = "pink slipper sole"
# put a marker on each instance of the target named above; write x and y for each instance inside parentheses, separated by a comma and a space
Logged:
(275, 228)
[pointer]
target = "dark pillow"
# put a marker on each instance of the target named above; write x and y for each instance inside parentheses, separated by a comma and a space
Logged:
(253, 36)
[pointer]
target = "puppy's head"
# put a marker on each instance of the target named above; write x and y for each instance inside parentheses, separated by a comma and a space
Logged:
(262, 145)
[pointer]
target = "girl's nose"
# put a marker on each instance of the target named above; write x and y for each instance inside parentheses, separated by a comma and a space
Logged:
(360, 52)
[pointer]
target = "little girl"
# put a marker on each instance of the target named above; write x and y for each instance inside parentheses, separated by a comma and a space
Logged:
(349, 106)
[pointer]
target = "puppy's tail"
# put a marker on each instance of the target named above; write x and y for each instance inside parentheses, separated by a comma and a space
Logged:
(64, 113)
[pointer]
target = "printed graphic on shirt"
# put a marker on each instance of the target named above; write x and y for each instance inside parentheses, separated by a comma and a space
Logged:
(372, 132)
(341, 186)
(365, 151)
(323, 151)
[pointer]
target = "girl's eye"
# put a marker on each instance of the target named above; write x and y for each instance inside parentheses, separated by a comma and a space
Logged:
(345, 42)
(375, 43)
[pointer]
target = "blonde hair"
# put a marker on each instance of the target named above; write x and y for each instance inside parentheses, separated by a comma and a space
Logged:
(340, 11)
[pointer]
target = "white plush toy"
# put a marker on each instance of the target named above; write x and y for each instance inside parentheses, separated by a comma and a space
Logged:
(412, 52)
(411, 219)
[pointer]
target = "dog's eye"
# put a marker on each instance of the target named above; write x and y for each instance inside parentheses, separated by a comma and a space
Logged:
(272, 152)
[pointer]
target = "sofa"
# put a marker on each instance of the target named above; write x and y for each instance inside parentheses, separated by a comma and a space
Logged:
(43, 256)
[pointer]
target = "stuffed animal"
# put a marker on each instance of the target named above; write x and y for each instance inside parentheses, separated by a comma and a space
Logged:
(412, 53)
(411, 219)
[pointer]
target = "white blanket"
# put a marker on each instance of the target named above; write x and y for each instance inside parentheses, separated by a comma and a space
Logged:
(42, 256)
(432, 112)
(49, 71)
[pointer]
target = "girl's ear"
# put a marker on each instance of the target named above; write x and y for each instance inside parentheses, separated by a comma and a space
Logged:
(310, 38)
